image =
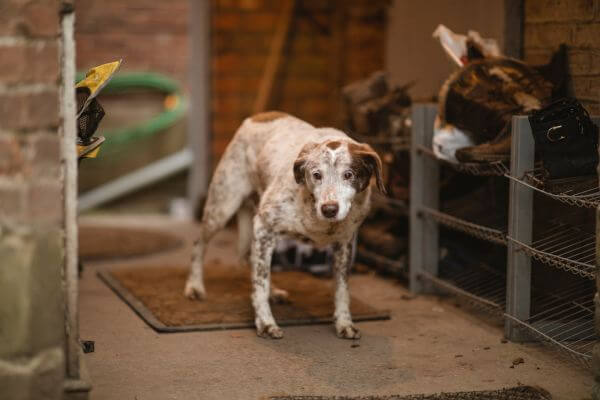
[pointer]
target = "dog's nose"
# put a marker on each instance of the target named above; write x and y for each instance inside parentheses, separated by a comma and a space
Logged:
(330, 210)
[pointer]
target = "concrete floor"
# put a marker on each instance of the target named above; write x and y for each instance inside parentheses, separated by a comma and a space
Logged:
(428, 346)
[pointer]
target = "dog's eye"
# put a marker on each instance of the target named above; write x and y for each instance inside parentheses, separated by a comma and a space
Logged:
(348, 175)
(317, 175)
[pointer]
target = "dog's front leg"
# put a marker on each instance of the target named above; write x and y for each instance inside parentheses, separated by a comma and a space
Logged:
(263, 244)
(342, 256)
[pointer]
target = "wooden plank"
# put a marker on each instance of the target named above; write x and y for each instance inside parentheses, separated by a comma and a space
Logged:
(274, 60)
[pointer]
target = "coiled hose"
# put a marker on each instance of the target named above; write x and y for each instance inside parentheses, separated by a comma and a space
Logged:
(175, 106)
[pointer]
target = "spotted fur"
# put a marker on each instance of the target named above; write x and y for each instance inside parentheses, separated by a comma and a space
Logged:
(284, 177)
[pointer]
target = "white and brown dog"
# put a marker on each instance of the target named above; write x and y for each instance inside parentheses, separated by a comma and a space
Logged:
(282, 176)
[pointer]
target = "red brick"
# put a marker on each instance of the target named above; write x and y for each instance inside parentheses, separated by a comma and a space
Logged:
(44, 154)
(29, 63)
(558, 10)
(132, 16)
(29, 111)
(548, 35)
(167, 54)
(11, 156)
(236, 84)
(12, 196)
(42, 18)
(309, 66)
(584, 62)
(45, 202)
(235, 64)
(226, 22)
(587, 88)
(586, 35)
(243, 44)
(33, 18)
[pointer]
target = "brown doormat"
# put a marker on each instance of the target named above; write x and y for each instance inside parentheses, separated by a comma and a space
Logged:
(516, 393)
(106, 243)
(156, 295)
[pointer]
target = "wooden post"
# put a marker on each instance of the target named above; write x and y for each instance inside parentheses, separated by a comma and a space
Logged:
(199, 138)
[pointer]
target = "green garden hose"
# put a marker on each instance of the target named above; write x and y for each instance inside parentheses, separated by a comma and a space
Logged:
(175, 106)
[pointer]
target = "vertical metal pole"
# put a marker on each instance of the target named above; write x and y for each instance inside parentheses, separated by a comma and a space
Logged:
(69, 157)
(424, 191)
(520, 221)
(199, 140)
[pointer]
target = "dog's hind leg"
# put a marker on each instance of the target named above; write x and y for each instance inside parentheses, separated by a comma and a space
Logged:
(229, 187)
(244, 226)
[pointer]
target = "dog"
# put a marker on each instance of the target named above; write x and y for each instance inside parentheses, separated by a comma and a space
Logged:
(284, 177)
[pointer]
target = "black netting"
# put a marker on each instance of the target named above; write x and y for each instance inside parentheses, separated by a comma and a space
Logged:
(88, 121)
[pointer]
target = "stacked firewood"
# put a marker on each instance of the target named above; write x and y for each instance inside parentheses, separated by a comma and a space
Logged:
(378, 113)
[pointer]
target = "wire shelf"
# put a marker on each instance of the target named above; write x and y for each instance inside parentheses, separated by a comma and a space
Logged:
(579, 191)
(490, 229)
(493, 168)
(566, 247)
(565, 321)
(477, 289)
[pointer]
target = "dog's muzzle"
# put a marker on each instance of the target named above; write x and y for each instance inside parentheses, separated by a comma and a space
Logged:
(330, 210)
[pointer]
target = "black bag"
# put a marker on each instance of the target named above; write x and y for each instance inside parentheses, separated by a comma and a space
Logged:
(566, 139)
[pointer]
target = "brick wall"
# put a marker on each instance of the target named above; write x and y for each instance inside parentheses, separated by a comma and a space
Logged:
(152, 36)
(317, 61)
(29, 113)
(31, 298)
(148, 35)
(548, 23)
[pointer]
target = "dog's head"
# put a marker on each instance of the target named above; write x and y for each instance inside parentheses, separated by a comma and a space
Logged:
(334, 171)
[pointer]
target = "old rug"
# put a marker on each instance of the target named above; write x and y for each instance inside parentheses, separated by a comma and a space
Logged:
(156, 295)
(97, 243)
(516, 393)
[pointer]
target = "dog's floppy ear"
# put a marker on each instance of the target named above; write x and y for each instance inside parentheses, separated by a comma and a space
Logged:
(300, 162)
(368, 159)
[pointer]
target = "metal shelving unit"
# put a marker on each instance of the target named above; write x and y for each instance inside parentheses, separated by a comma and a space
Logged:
(496, 168)
(580, 192)
(563, 318)
(565, 321)
(489, 227)
(566, 247)
(480, 286)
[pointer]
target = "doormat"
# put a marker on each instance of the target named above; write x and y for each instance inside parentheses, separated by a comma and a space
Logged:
(516, 393)
(98, 243)
(156, 295)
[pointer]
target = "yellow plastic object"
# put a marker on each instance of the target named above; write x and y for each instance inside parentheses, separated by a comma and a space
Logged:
(91, 150)
(96, 78)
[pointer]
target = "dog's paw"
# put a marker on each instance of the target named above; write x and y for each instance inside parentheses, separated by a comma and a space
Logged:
(279, 296)
(270, 331)
(347, 331)
(194, 290)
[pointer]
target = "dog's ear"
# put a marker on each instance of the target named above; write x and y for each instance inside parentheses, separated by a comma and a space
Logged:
(366, 159)
(300, 162)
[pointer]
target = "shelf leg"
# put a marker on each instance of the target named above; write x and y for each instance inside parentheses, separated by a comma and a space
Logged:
(520, 219)
(424, 191)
